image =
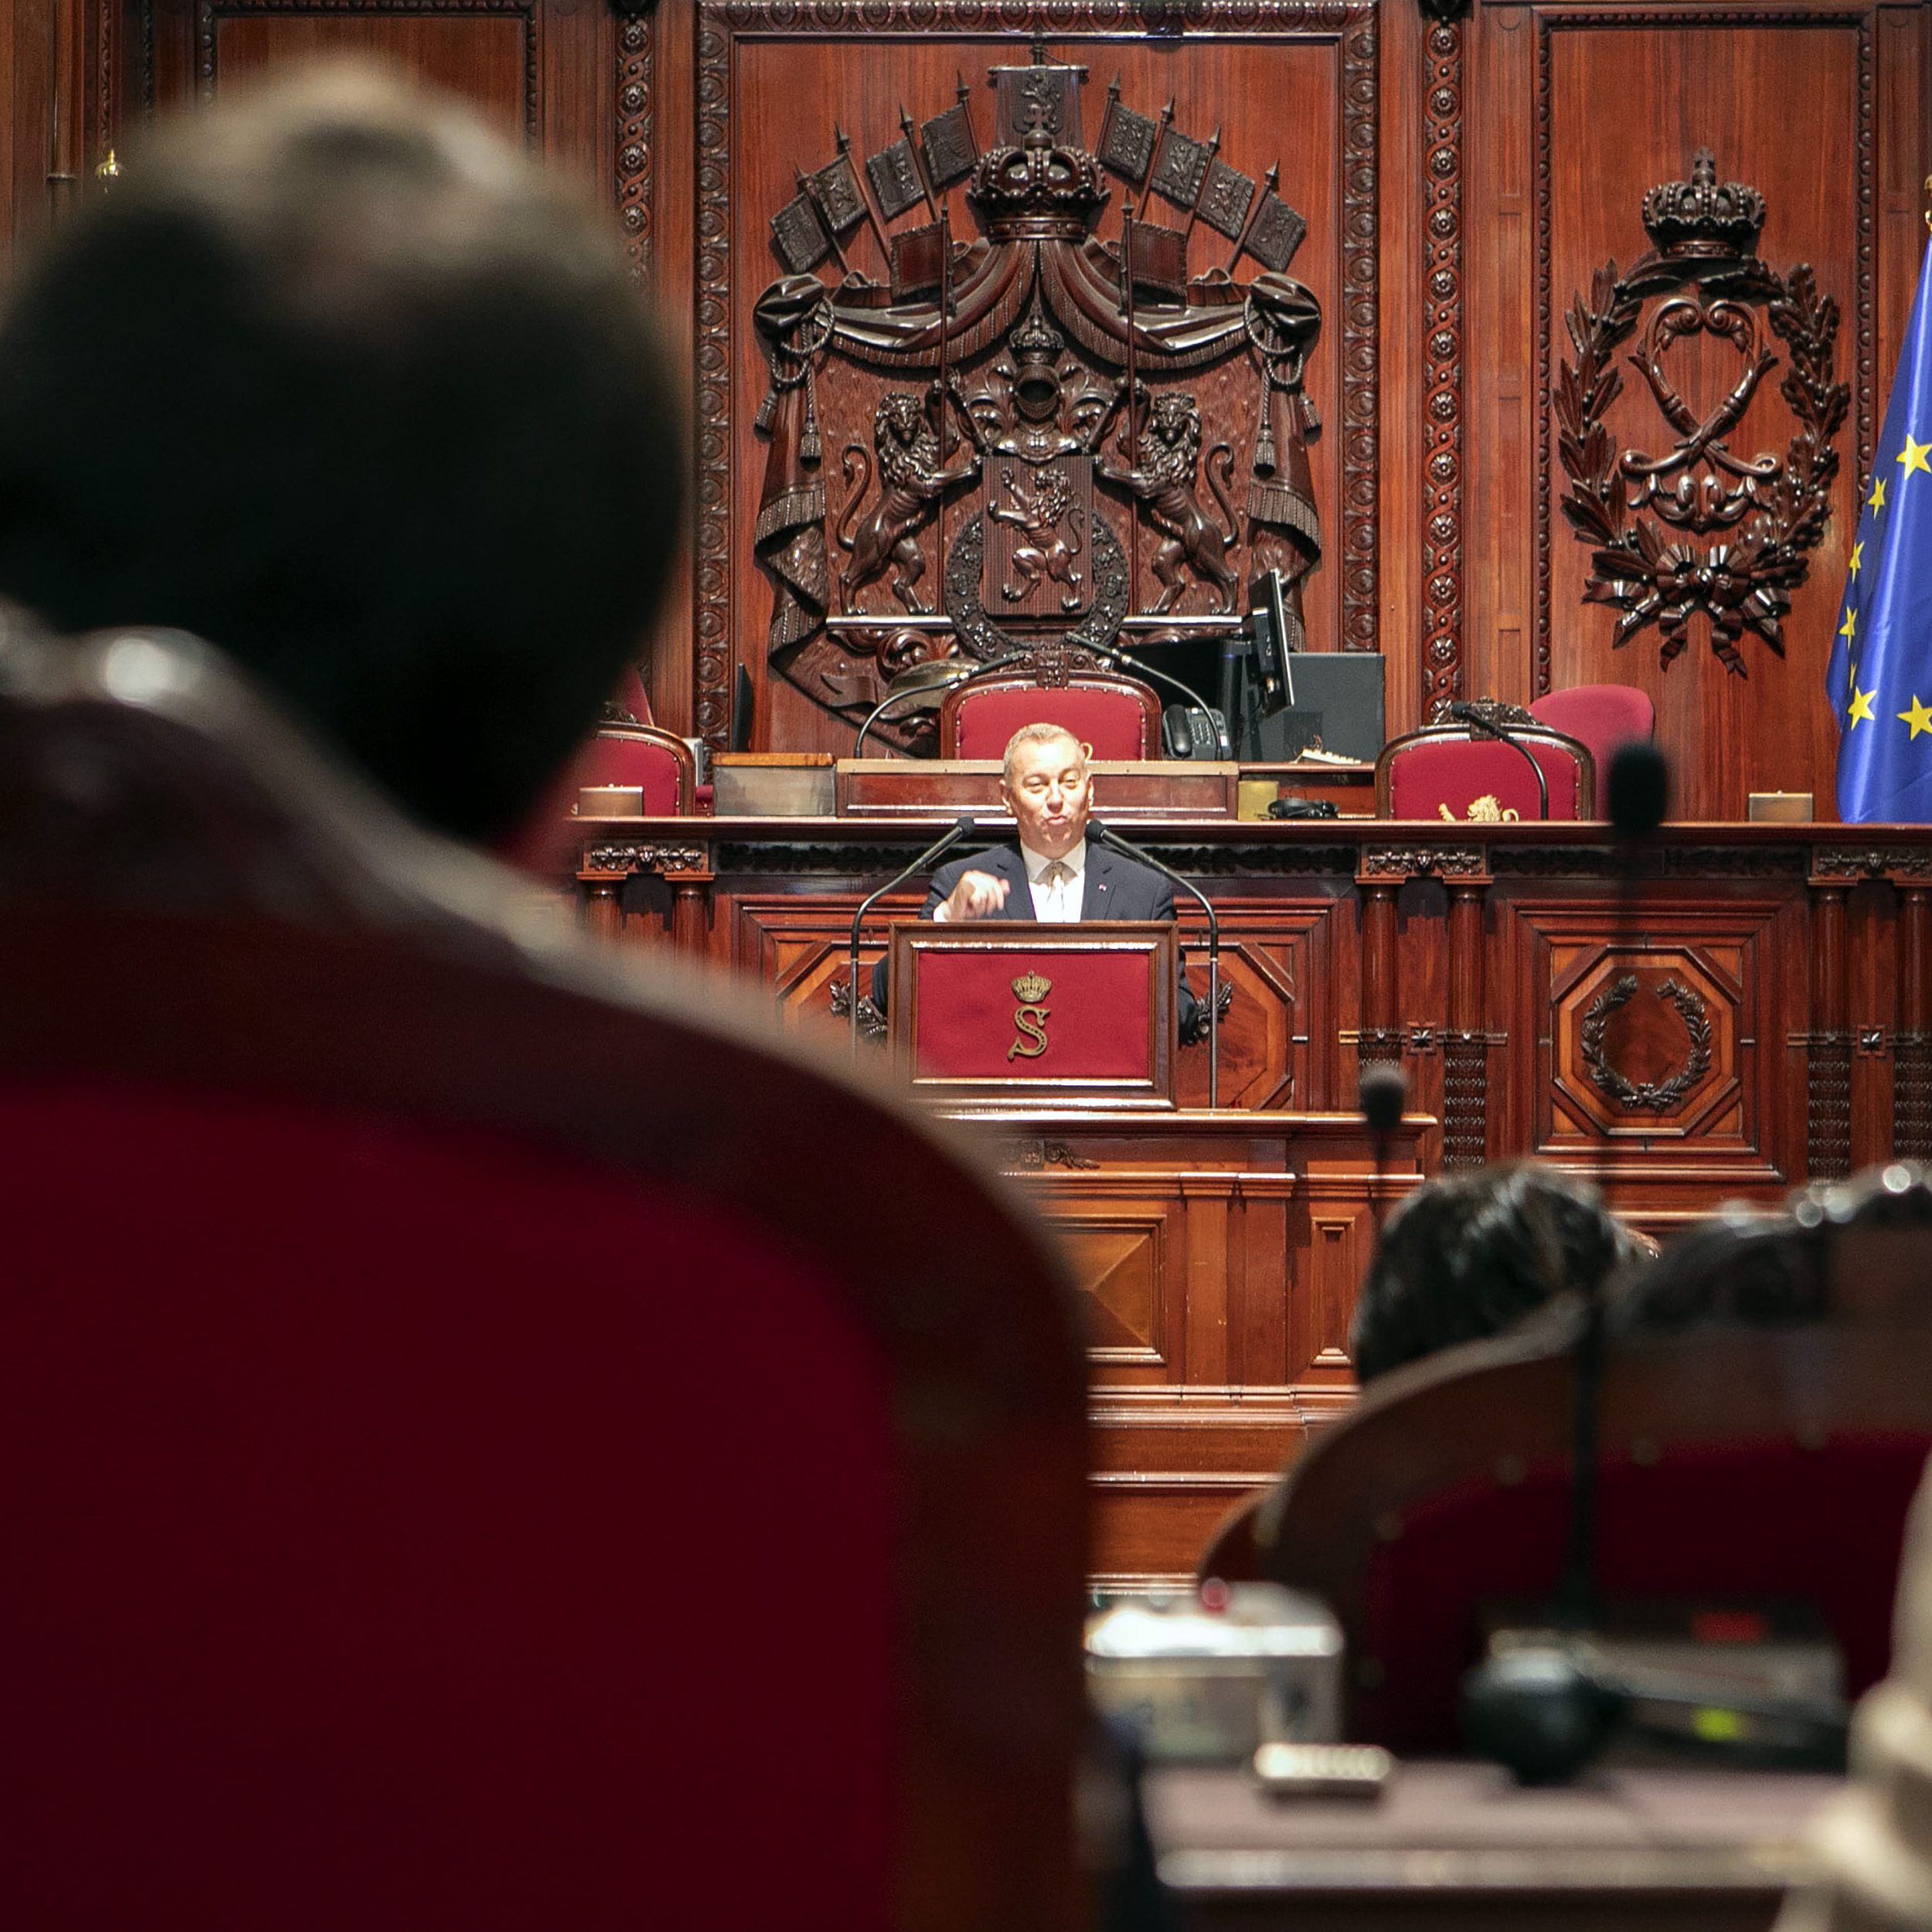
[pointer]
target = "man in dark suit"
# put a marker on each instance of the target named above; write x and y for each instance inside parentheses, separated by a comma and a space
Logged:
(1053, 874)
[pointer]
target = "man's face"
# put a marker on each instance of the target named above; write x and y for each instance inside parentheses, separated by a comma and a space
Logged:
(1049, 792)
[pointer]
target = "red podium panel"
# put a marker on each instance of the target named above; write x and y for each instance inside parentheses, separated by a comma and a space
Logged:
(1000, 1013)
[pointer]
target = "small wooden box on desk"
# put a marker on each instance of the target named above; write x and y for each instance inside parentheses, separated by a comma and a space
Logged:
(1006, 1012)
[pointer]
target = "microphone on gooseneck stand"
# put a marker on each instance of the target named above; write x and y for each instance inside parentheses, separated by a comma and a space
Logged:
(1102, 834)
(1477, 719)
(1383, 1091)
(964, 829)
(1540, 1708)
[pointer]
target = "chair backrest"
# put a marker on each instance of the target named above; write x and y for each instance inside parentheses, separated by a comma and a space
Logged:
(1735, 1462)
(1602, 716)
(632, 697)
(1451, 771)
(659, 762)
(464, 1464)
(1119, 717)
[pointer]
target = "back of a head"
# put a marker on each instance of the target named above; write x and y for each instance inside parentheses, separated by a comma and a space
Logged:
(338, 380)
(1467, 1255)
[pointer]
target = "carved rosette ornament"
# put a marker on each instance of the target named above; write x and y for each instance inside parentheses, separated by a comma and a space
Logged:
(1026, 450)
(1700, 528)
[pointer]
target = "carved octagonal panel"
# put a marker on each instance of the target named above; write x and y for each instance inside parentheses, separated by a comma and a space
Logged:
(1644, 1040)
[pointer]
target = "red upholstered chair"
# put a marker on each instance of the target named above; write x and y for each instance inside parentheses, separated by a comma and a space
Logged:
(1451, 771)
(1736, 1462)
(659, 762)
(1602, 716)
(1119, 717)
(470, 1457)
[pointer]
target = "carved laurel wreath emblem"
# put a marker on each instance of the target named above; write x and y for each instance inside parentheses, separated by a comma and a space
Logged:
(1726, 535)
(1646, 1096)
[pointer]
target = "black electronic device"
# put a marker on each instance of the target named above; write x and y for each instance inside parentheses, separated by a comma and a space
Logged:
(1267, 630)
(1341, 690)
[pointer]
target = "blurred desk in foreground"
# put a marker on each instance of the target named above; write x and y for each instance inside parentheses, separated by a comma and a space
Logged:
(1454, 1847)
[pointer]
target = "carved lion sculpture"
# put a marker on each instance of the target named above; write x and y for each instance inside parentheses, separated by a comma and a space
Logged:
(1169, 436)
(911, 482)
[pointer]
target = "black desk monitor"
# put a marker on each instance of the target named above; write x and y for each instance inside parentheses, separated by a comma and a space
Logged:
(1335, 695)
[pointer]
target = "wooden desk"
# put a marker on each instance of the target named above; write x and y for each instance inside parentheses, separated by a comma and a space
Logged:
(1460, 1848)
(1218, 1255)
(1756, 1010)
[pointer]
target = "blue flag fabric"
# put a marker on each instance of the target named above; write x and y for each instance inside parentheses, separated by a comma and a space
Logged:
(1880, 675)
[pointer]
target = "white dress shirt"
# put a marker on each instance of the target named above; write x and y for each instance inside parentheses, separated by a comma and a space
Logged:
(1060, 900)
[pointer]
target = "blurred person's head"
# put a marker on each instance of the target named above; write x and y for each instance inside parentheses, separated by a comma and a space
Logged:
(1741, 1269)
(1467, 1255)
(338, 380)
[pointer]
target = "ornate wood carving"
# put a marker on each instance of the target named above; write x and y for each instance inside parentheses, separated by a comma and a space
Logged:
(1912, 1095)
(643, 858)
(1361, 321)
(711, 717)
(1549, 22)
(1646, 1096)
(637, 56)
(1828, 1106)
(1415, 861)
(814, 224)
(1730, 537)
(1442, 558)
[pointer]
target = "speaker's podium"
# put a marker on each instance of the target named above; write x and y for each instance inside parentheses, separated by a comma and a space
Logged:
(1005, 1014)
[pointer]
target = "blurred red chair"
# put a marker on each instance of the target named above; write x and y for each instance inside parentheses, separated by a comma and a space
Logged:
(658, 763)
(1736, 1462)
(1119, 717)
(1453, 771)
(464, 1463)
(1601, 716)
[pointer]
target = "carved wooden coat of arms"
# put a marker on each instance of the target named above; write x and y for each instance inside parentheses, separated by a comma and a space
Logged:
(985, 455)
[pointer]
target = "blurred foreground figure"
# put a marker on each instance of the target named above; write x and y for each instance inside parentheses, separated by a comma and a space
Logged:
(1467, 1255)
(1876, 1840)
(340, 382)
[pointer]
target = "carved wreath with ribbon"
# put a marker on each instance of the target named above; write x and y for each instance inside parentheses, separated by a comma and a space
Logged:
(1700, 528)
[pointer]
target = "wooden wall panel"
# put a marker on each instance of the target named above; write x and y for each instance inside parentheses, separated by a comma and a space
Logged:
(1683, 79)
(1480, 170)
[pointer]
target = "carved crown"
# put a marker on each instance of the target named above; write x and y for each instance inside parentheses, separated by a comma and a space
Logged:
(1029, 989)
(1036, 340)
(1036, 191)
(1698, 218)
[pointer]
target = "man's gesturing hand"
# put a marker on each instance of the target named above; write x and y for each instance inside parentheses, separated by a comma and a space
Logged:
(976, 894)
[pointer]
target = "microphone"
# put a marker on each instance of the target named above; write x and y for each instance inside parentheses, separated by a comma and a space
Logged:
(1216, 721)
(1639, 792)
(963, 829)
(1103, 835)
(1383, 1091)
(1466, 713)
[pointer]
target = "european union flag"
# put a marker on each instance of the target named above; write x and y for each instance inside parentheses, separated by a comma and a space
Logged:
(1880, 675)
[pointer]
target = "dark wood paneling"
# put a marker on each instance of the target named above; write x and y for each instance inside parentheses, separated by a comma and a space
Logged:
(1462, 180)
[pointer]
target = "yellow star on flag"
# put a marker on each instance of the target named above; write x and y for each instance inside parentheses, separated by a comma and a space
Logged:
(1861, 706)
(1857, 556)
(1919, 718)
(1849, 626)
(1876, 499)
(1913, 455)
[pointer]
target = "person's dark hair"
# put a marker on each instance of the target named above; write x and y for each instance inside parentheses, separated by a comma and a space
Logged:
(338, 380)
(1467, 1255)
(1743, 1271)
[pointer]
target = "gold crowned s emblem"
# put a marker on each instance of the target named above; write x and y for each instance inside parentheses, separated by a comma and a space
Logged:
(1030, 1019)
